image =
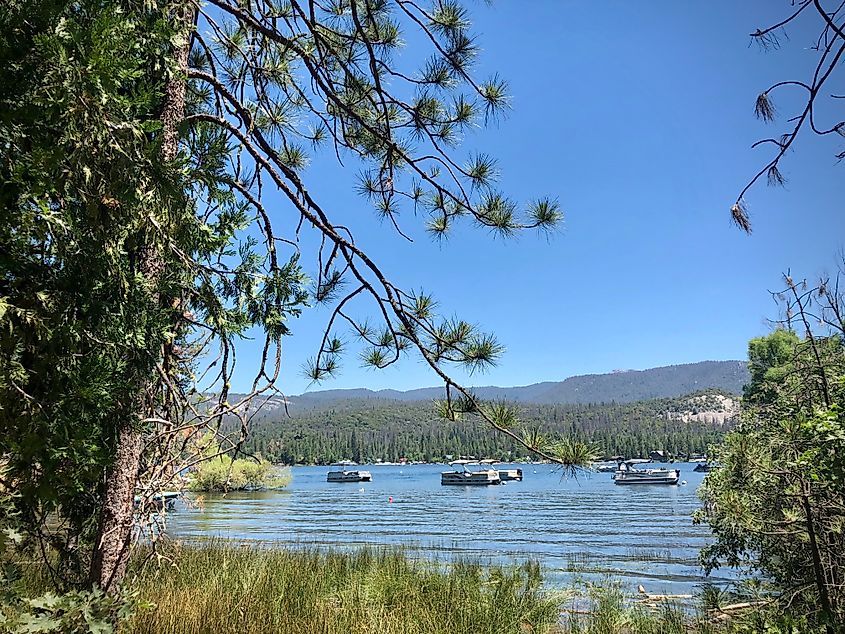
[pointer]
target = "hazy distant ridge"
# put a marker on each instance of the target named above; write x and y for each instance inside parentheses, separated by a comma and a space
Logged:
(619, 387)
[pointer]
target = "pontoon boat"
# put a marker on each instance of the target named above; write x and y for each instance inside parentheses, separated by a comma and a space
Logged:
(464, 476)
(626, 474)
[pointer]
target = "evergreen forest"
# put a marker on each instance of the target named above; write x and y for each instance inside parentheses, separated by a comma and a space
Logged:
(369, 430)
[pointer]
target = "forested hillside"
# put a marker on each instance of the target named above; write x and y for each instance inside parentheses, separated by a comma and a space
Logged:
(372, 429)
(621, 386)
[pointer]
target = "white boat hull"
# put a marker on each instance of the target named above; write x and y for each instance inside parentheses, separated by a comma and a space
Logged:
(161, 500)
(647, 476)
(510, 474)
(349, 476)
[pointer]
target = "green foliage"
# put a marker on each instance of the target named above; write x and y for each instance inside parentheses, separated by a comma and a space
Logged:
(777, 504)
(110, 257)
(219, 472)
(769, 364)
(76, 318)
(81, 612)
(27, 604)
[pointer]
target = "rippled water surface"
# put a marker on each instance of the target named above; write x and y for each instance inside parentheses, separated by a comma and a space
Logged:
(588, 527)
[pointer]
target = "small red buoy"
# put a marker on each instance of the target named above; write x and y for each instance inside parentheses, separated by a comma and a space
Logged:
(390, 499)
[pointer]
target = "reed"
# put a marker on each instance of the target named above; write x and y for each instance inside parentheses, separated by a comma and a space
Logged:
(222, 587)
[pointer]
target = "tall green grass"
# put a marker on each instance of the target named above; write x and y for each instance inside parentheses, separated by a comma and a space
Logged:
(221, 587)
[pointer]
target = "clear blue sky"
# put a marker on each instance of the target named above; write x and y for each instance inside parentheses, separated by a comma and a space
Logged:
(638, 117)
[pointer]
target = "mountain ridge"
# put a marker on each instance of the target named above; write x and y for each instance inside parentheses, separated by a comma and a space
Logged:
(618, 386)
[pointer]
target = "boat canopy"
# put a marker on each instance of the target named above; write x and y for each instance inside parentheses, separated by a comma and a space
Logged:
(487, 461)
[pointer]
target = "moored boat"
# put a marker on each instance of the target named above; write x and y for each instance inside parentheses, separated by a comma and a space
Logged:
(466, 477)
(505, 475)
(349, 475)
(160, 500)
(704, 467)
(510, 474)
(625, 474)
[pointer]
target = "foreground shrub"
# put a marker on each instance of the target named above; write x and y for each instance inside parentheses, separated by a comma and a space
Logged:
(77, 612)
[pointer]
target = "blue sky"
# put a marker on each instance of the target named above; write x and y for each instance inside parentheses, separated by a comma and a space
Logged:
(638, 117)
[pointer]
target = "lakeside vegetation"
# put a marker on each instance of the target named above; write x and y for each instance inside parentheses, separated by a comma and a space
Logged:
(223, 586)
(226, 587)
(219, 472)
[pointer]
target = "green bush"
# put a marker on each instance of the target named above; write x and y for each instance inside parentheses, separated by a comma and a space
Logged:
(218, 472)
(224, 474)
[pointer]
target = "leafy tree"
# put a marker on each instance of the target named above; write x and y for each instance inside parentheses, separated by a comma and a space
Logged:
(769, 364)
(139, 142)
(777, 504)
(77, 318)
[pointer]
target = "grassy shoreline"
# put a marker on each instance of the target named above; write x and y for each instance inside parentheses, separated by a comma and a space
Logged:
(223, 586)
(226, 587)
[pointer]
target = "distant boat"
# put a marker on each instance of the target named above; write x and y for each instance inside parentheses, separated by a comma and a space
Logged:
(625, 474)
(348, 475)
(605, 467)
(704, 467)
(505, 475)
(465, 477)
(163, 499)
(510, 474)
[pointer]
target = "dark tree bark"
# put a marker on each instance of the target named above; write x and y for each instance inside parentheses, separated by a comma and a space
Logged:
(111, 551)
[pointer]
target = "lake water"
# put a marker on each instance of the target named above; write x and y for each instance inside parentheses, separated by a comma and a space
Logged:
(586, 528)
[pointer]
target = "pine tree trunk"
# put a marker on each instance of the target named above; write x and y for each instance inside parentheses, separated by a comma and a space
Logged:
(114, 538)
(111, 551)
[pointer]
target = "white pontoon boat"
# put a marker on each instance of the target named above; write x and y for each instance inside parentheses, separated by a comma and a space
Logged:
(348, 475)
(464, 476)
(626, 474)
